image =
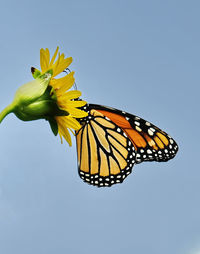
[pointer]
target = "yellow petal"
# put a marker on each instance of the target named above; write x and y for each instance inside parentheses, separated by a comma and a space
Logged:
(73, 132)
(54, 56)
(61, 66)
(56, 65)
(76, 104)
(60, 137)
(74, 112)
(43, 62)
(63, 84)
(70, 122)
(65, 133)
(62, 56)
(47, 54)
(62, 130)
(72, 95)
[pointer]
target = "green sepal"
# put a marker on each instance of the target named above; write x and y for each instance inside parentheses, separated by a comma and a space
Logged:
(35, 72)
(40, 109)
(50, 72)
(54, 126)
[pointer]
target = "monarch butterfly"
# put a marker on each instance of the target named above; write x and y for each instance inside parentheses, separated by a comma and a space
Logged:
(111, 141)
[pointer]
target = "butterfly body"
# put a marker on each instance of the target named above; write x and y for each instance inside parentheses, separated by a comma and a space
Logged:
(111, 141)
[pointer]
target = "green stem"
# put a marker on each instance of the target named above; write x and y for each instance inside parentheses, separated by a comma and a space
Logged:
(5, 112)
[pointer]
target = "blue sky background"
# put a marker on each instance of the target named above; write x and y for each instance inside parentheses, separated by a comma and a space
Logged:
(139, 56)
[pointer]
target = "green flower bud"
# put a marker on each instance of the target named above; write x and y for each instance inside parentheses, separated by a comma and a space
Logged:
(31, 91)
(35, 100)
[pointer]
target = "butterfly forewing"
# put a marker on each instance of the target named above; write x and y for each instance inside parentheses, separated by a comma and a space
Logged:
(150, 142)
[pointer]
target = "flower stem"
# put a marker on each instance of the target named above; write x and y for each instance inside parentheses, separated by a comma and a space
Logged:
(5, 112)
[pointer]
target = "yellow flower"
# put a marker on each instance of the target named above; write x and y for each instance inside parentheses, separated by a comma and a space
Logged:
(48, 97)
(66, 100)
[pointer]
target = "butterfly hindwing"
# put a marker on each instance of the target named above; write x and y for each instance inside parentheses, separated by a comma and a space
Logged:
(105, 154)
(111, 141)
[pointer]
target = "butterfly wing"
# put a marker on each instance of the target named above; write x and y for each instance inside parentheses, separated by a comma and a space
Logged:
(150, 142)
(105, 153)
(111, 141)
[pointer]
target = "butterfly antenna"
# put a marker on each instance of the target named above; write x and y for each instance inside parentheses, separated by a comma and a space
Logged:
(75, 86)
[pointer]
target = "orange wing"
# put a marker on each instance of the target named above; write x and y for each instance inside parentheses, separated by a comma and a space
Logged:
(111, 141)
(105, 153)
(150, 142)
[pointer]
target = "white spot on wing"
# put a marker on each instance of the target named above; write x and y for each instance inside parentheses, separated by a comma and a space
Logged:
(138, 128)
(137, 118)
(150, 132)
